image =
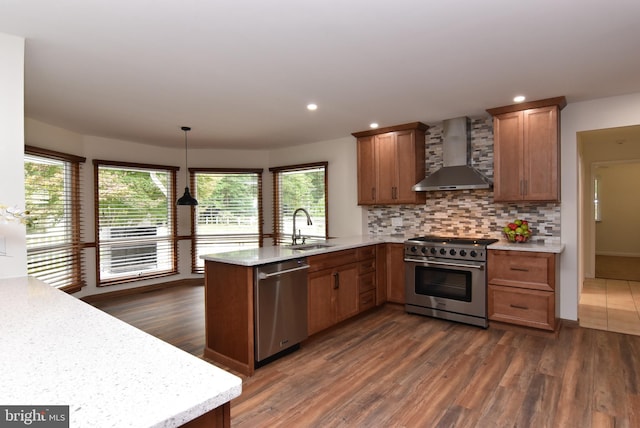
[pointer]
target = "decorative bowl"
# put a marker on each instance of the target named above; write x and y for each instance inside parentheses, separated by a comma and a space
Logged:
(517, 231)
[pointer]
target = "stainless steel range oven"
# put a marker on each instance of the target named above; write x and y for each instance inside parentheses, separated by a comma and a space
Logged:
(447, 278)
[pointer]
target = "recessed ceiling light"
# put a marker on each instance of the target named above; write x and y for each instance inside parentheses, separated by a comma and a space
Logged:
(312, 107)
(373, 125)
(519, 98)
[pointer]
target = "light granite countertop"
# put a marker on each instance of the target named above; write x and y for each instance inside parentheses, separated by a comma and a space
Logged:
(534, 246)
(58, 350)
(271, 254)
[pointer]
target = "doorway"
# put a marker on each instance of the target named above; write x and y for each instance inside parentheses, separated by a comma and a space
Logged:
(610, 297)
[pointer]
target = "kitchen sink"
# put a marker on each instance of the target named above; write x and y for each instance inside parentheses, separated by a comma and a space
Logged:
(308, 247)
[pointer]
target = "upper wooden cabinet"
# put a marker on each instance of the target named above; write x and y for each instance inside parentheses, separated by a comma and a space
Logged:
(527, 151)
(390, 161)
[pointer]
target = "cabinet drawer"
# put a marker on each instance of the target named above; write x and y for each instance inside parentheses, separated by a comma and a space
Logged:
(531, 308)
(368, 252)
(522, 269)
(331, 260)
(367, 282)
(367, 300)
(366, 266)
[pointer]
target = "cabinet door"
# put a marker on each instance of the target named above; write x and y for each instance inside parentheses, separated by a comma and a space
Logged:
(346, 289)
(366, 170)
(320, 302)
(395, 273)
(541, 154)
(386, 168)
(508, 155)
(405, 155)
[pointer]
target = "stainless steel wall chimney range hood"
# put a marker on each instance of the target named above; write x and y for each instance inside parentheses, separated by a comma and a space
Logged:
(456, 173)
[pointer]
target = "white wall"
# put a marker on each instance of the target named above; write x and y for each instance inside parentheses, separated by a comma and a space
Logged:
(577, 117)
(618, 234)
(12, 159)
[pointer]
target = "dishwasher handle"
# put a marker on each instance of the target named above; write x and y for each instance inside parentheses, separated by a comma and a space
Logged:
(263, 275)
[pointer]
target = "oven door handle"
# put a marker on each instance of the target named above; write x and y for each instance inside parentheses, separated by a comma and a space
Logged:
(481, 267)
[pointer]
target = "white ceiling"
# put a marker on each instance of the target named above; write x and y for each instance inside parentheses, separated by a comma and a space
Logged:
(240, 72)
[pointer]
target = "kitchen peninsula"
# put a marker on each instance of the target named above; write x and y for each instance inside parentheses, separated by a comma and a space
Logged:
(341, 265)
(58, 350)
(346, 276)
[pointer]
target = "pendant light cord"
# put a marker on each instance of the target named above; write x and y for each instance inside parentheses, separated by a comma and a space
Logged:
(186, 154)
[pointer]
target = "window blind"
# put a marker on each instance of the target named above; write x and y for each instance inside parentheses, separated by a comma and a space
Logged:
(300, 186)
(229, 212)
(52, 197)
(135, 219)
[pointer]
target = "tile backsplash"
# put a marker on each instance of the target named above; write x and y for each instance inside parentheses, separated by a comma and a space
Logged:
(469, 213)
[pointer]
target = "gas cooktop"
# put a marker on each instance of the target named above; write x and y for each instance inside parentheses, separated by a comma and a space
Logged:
(449, 247)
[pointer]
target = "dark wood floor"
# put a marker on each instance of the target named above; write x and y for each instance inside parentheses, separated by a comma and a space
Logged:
(391, 369)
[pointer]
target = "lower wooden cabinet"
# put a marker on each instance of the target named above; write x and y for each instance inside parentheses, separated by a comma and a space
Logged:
(340, 285)
(522, 288)
(333, 293)
(395, 273)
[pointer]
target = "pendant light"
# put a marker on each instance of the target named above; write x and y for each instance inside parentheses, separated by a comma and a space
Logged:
(186, 199)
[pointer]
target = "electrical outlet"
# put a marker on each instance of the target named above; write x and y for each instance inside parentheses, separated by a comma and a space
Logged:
(396, 222)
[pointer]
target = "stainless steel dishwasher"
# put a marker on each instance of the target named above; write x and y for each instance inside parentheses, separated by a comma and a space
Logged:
(280, 307)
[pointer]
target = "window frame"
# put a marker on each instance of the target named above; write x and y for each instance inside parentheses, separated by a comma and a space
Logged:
(232, 171)
(73, 196)
(173, 238)
(280, 236)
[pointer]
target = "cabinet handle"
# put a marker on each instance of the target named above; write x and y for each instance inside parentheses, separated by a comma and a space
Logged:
(518, 306)
(373, 193)
(393, 193)
(526, 187)
(336, 280)
(522, 187)
(520, 269)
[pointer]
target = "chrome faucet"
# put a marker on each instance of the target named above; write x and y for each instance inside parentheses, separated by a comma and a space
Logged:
(294, 237)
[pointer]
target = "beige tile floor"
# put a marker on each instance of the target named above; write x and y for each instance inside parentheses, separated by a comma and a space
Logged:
(610, 304)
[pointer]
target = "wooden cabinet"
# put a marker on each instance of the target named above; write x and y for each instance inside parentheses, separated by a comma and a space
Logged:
(381, 274)
(395, 273)
(366, 277)
(527, 151)
(390, 161)
(522, 288)
(333, 293)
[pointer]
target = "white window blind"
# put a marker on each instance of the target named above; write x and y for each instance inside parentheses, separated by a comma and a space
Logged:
(300, 186)
(229, 212)
(54, 249)
(135, 222)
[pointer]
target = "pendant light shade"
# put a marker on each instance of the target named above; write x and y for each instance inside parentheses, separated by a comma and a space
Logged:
(186, 199)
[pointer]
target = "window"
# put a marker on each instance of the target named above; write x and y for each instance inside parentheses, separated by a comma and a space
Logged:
(229, 211)
(135, 221)
(52, 197)
(300, 186)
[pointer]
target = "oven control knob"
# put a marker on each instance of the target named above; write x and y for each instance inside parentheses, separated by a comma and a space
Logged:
(424, 250)
(433, 251)
(463, 253)
(414, 249)
(473, 253)
(452, 252)
(443, 251)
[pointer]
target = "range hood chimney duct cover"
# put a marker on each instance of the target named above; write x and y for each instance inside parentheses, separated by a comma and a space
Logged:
(456, 173)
